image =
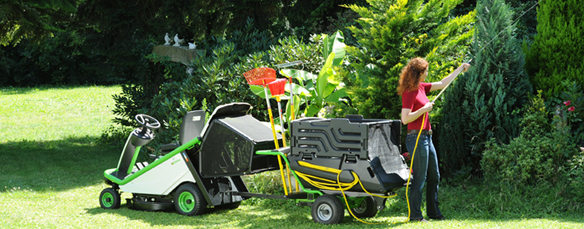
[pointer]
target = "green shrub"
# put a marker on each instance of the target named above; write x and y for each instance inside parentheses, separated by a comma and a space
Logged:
(138, 94)
(63, 60)
(269, 182)
(218, 79)
(555, 54)
(538, 154)
(485, 102)
(572, 109)
(575, 175)
(393, 32)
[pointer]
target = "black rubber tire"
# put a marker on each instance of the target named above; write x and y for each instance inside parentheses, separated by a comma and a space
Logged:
(109, 198)
(366, 209)
(229, 206)
(328, 209)
(189, 200)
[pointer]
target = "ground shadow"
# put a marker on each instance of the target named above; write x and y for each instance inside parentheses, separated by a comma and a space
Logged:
(246, 216)
(56, 165)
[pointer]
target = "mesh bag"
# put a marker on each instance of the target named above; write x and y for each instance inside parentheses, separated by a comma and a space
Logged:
(384, 145)
(230, 144)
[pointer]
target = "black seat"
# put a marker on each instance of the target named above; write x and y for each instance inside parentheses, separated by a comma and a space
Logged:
(190, 128)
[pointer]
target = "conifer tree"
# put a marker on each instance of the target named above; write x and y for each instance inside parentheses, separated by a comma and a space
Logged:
(393, 32)
(484, 103)
(556, 53)
(33, 19)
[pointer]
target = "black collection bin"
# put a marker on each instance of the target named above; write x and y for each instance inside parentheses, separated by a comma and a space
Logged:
(369, 147)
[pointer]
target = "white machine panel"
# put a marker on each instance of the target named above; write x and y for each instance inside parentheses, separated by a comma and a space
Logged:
(162, 179)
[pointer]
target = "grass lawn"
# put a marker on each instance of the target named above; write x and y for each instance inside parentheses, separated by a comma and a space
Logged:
(52, 173)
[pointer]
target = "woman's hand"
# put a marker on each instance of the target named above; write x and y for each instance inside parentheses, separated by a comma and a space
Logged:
(408, 116)
(428, 107)
(465, 66)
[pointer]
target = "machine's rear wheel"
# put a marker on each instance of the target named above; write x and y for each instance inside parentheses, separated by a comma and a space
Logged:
(188, 200)
(109, 199)
(328, 209)
(366, 209)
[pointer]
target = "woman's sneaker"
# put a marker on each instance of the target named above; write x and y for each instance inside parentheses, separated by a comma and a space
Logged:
(422, 220)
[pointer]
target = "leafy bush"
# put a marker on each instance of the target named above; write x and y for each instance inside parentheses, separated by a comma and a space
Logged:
(538, 154)
(269, 182)
(575, 175)
(104, 42)
(64, 60)
(215, 79)
(167, 92)
(555, 54)
(485, 102)
(573, 109)
(316, 91)
(138, 94)
(392, 33)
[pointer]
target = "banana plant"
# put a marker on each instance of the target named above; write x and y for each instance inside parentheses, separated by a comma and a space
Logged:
(315, 91)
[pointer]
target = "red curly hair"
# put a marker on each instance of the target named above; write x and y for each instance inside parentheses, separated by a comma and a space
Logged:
(409, 79)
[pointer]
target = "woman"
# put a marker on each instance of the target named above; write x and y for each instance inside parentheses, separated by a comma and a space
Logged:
(415, 104)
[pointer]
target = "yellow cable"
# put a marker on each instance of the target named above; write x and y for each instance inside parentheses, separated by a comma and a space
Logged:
(318, 167)
(411, 165)
(360, 183)
(340, 186)
(330, 185)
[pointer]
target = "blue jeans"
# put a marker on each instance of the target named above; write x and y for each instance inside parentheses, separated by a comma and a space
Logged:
(425, 168)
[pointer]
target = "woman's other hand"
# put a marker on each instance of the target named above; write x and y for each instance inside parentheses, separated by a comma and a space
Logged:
(428, 107)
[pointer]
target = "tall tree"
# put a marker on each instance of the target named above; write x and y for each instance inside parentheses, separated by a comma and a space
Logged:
(34, 19)
(526, 15)
(556, 52)
(393, 32)
(485, 102)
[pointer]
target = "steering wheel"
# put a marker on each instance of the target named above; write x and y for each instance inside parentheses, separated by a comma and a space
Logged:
(147, 121)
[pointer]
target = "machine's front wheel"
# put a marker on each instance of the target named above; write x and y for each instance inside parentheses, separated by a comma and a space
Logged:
(188, 200)
(328, 209)
(366, 209)
(109, 199)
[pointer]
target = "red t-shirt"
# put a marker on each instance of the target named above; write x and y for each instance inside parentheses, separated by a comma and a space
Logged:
(415, 100)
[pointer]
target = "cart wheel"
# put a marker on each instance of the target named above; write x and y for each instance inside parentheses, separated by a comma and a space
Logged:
(328, 209)
(109, 199)
(366, 209)
(188, 200)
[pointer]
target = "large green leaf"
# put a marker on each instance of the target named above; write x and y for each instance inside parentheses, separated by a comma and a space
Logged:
(312, 110)
(300, 75)
(297, 89)
(323, 75)
(330, 88)
(336, 96)
(259, 91)
(335, 44)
